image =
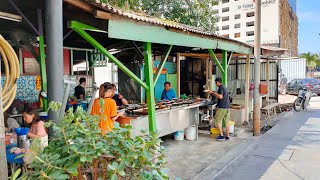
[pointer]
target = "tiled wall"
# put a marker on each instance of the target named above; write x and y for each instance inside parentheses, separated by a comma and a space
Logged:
(26, 88)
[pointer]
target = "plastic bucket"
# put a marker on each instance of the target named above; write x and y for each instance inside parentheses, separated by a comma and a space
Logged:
(178, 135)
(231, 123)
(191, 133)
(43, 115)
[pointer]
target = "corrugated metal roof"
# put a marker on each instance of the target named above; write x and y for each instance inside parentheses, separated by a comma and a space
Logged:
(153, 20)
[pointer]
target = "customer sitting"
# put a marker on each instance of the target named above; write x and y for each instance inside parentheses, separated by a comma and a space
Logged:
(168, 93)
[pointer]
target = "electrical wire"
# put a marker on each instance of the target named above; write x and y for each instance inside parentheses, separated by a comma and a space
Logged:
(12, 73)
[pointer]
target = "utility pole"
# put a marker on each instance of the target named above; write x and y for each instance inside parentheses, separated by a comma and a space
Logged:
(257, 53)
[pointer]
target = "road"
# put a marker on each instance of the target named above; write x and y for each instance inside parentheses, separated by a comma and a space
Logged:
(290, 150)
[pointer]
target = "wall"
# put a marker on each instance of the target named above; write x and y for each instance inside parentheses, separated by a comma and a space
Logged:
(66, 59)
(293, 68)
(236, 76)
(288, 29)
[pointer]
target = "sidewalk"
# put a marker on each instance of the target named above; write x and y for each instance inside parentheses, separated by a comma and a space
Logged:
(290, 150)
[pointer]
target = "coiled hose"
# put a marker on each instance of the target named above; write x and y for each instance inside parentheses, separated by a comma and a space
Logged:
(12, 73)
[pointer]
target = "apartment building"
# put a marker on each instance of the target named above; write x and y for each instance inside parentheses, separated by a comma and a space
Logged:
(279, 22)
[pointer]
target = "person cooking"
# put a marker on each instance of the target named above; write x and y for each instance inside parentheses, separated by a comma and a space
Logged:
(168, 93)
(79, 91)
(222, 112)
(37, 129)
(120, 100)
(108, 113)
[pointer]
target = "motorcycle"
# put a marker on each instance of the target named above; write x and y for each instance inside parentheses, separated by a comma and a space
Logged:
(302, 102)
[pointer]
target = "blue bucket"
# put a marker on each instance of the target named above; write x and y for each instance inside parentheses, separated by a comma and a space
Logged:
(21, 131)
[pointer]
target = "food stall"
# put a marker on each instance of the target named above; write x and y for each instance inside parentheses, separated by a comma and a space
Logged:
(171, 116)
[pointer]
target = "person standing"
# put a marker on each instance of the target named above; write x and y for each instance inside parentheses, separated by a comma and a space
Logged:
(120, 100)
(107, 111)
(168, 93)
(222, 111)
(79, 91)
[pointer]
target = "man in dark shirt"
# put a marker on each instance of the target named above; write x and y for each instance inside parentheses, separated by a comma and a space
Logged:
(120, 100)
(79, 91)
(222, 112)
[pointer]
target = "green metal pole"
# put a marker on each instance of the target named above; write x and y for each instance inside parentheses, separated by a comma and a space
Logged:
(149, 81)
(225, 68)
(43, 72)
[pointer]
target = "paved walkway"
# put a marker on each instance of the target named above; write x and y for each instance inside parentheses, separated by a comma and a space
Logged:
(290, 150)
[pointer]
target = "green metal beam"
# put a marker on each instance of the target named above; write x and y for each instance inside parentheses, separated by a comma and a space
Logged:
(214, 57)
(225, 68)
(149, 80)
(144, 32)
(77, 27)
(230, 57)
(161, 65)
(43, 72)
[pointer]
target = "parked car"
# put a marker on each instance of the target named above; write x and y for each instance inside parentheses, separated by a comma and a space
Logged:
(295, 85)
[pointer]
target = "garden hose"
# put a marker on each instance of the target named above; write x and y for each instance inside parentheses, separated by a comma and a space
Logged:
(12, 73)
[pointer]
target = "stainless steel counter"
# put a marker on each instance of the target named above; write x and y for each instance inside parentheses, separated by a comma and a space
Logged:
(168, 120)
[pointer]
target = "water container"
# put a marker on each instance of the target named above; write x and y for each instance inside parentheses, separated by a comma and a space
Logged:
(178, 135)
(231, 130)
(43, 115)
(191, 133)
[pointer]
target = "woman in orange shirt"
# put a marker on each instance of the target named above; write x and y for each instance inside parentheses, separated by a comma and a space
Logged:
(107, 110)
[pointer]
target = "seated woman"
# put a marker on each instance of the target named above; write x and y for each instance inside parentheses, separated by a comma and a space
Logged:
(37, 129)
(108, 113)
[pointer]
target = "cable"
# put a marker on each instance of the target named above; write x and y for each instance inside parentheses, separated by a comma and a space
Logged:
(12, 73)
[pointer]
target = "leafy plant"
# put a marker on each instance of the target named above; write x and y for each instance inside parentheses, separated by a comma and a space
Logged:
(198, 13)
(79, 150)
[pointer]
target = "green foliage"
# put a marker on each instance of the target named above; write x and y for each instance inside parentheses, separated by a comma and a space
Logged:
(312, 59)
(198, 13)
(78, 148)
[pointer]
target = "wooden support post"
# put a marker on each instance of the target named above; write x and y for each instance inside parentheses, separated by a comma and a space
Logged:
(207, 74)
(210, 75)
(267, 80)
(246, 102)
(178, 75)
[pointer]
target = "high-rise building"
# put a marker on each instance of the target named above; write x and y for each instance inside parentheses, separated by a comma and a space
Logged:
(279, 22)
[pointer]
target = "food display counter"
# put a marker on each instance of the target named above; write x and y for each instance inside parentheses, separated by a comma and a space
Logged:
(168, 120)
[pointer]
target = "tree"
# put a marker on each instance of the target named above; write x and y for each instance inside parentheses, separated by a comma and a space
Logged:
(197, 13)
(312, 60)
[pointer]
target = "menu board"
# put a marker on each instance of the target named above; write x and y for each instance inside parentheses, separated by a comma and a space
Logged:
(31, 66)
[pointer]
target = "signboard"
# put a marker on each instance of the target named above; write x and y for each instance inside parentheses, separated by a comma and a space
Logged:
(164, 71)
(248, 6)
(31, 66)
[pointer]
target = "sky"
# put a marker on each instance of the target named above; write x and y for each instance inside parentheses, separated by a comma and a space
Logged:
(309, 26)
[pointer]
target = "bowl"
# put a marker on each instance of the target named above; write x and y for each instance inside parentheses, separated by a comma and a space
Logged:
(21, 131)
(43, 115)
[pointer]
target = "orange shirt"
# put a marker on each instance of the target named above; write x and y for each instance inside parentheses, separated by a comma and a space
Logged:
(106, 113)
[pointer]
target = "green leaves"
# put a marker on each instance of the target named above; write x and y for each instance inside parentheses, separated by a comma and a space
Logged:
(79, 147)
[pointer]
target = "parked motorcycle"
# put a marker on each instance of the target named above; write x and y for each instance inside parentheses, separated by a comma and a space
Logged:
(302, 102)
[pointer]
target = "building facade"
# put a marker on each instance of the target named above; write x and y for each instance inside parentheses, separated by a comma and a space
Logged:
(279, 22)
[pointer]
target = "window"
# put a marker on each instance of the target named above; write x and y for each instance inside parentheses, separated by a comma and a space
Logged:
(225, 1)
(236, 26)
(250, 33)
(226, 9)
(250, 14)
(237, 16)
(226, 27)
(226, 18)
(237, 35)
(226, 35)
(250, 24)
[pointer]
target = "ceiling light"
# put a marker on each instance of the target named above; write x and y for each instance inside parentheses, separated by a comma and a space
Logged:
(11, 17)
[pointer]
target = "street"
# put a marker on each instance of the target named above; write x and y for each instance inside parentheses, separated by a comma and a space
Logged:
(288, 151)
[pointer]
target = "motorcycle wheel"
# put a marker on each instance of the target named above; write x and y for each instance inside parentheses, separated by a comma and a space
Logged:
(298, 104)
